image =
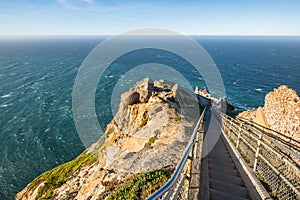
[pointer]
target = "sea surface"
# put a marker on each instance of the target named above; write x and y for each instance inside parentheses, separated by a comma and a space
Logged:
(37, 75)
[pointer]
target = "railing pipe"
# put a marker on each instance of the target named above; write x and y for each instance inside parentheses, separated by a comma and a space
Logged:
(170, 184)
(263, 140)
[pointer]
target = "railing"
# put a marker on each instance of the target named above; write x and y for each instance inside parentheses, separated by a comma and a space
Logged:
(287, 141)
(274, 163)
(177, 186)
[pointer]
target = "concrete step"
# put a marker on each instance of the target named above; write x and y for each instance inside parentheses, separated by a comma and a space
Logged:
(228, 163)
(219, 146)
(219, 156)
(223, 169)
(218, 195)
(220, 142)
(234, 190)
(226, 178)
(219, 151)
(223, 180)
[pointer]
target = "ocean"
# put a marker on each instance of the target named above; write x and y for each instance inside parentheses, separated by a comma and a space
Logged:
(37, 75)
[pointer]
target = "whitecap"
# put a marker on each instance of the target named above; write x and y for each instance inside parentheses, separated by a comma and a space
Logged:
(109, 76)
(5, 105)
(258, 89)
(6, 95)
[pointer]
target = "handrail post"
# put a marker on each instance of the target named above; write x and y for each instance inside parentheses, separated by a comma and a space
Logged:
(257, 152)
(230, 127)
(240, 132)
(223, 123)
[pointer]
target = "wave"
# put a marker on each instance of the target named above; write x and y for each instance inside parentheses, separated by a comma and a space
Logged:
(6, 105)
(6, 95)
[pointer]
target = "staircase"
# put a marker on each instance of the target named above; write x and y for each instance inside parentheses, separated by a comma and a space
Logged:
(212, 166)
(222, 180)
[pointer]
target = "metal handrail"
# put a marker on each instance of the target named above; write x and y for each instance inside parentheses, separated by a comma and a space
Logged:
(282, 178)
(267, 138)
(170, 184)
(272, 131)
(266, 128)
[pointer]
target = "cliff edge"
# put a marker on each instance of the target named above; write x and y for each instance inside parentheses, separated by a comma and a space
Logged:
(281, 112)
(135, 156)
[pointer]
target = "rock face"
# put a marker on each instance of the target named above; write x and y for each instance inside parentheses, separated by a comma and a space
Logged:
(149, 132)
(281, 112)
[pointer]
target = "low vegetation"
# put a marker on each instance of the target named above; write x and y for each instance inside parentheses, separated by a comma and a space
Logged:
(58, 176)
(266, 185)
(177, 118)
(152, 139)
(142, 185)
(105, 136)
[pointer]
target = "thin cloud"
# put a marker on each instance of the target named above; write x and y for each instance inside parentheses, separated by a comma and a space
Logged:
(92, 5)
(67, 5)
(130, 5)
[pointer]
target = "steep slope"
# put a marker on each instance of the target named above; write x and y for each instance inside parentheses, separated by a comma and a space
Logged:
(143, 142)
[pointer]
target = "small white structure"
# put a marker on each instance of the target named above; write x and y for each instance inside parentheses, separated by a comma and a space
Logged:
(202, 92)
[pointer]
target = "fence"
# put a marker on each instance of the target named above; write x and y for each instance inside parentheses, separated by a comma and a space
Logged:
(275, 161)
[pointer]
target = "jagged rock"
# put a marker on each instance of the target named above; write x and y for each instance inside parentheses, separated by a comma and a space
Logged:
(174, 90)
(130, 98)
(148, 132)
(280, 112)
(144, 88)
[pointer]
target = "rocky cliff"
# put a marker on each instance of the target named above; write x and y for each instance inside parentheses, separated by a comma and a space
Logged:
(135, 156)
(281, 112)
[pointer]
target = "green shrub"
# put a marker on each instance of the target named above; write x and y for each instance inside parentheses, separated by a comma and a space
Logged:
(177, 118)
(142, 185)
(150, 141)
(59, 175)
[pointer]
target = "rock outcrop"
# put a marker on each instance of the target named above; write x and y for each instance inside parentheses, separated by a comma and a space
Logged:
(281, 112)
(149, 132)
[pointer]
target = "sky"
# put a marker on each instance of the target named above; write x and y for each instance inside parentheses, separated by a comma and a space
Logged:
(111, 17)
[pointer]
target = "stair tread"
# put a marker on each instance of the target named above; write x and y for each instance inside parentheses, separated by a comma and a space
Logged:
(227, 178)
(219, 153)
(218, 195)
(222, 168)
(220, 157)
(222, 162)
(234, 190)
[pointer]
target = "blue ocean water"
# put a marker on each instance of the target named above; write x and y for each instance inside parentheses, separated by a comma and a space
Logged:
(37, 131)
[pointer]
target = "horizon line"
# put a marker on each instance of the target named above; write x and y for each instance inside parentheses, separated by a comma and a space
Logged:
(112, 35)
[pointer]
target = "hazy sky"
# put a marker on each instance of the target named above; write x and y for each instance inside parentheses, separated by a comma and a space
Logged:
(106, 17)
